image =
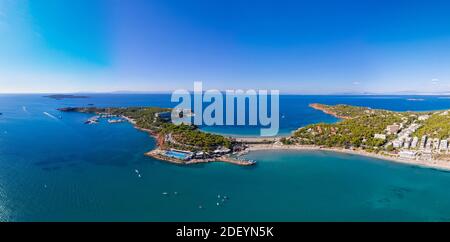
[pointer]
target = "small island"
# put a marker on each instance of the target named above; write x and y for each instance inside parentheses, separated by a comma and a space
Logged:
(64, 96)
(180, 144)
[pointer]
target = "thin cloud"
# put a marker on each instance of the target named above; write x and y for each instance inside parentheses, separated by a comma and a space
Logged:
(356, 83)
(434, 81)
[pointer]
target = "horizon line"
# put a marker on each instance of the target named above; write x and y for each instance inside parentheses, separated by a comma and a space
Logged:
(399, 93)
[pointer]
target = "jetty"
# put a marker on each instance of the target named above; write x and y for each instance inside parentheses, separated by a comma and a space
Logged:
(92, 120)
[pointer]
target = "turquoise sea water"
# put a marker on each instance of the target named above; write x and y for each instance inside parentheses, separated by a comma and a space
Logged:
(55, 168)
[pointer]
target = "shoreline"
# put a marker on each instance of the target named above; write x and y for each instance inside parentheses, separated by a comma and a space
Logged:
(264, 144)
(259, 144)
(319, 107)
(434, 164)
(156, 152)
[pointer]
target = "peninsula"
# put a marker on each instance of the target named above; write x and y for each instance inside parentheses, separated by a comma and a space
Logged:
(417, 138)
(65, 96)
(180, 144)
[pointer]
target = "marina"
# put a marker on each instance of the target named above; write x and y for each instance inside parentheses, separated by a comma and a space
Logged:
(111, 119)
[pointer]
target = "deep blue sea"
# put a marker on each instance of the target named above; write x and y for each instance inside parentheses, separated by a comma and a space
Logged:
(55, 168)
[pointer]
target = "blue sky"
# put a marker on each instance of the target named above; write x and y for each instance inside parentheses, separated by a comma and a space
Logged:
(311, 47)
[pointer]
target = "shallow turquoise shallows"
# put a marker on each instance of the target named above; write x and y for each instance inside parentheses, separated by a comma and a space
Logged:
(55, 168)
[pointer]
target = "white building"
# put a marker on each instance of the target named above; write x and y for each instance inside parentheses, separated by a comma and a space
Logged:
(444, 145)
(397, 143)
(436, 144)
(408, 154)
(423, 117)
(428, 146)
(426, 156)
(414, 142)
(380, 136)
(423, 142)
(407, 143)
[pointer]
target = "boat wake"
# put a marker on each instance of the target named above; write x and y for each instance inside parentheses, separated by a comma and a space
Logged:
(51, 116)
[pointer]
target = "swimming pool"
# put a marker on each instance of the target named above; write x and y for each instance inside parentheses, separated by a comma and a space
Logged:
(177, 154)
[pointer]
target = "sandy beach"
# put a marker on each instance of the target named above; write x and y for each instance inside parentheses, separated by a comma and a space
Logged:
(435, 164)
(265, 143)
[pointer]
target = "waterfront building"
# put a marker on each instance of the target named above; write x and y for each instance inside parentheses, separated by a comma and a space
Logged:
(444, 145)
(426, 156)
(222, 151)
(436, 144)
(397, 143)
(407, 143)
(428, 146)
(414, 142)
(199, 155)
(408, 154)
(423, 142)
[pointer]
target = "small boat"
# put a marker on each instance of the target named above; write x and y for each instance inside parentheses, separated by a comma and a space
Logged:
(218, 196)
(136, 171)
(200, 207)
(176, 193)
(139, 175)
(165, 193)
(93, 120)
(114, 121)
(218, 204)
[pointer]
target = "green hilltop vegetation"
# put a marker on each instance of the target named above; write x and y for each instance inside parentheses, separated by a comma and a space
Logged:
(187, 137)
(437, 126)
(144, 117)
(344, 111)
(356, 132)
(351, 132)
(360, 124)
